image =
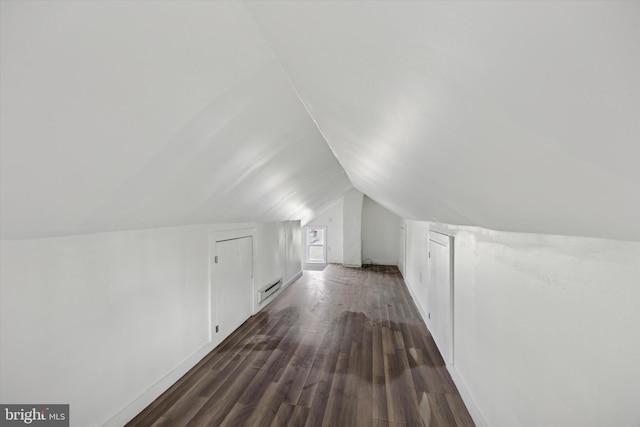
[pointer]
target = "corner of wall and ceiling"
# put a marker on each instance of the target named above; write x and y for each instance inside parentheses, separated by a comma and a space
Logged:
(287, 75)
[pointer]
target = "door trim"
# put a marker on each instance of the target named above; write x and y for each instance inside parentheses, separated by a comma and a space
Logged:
(221, 236)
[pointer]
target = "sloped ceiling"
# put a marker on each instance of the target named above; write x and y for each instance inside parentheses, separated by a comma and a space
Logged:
(520, 116)
(123, 115)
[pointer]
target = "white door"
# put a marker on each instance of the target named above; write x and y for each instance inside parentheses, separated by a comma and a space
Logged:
(233, 282)
(403, 250)
(440, 294)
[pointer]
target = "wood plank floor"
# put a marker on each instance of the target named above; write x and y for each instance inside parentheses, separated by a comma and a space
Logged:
(340, 347)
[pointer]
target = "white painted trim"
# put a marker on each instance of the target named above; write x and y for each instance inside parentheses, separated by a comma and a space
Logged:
(293, 279)
(146, 398)
(317, 266)
(438, 237)
(468, 400)
(222, 235)
(384, 262)
(446, 241)
(416, 301)
(305, 235)
(215, 237)
(272, 297)
(474, 410)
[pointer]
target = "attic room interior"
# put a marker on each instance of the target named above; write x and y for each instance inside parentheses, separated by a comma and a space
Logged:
(438, 199)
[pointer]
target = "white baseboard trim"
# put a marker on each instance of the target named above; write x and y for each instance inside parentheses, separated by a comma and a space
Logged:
(314, 266)
(293, 279)
(139, 404)
(144, 400)
(383, 262)
(416, 301)
(473, 409)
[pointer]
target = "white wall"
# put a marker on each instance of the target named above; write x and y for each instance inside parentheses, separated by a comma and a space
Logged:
(352, 228)
(332, 218)
(269, 265)
(416, 262)
(380, 229)
(293, 253)
(402, 249)
(545, 327)
(105, 322)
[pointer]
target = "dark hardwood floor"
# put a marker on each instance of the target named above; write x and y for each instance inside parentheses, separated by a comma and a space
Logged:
(340, 347)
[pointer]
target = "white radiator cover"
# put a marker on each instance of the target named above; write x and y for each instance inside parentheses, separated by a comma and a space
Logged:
(269, 290)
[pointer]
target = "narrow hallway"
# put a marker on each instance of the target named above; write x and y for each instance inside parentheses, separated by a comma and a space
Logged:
(339, 347)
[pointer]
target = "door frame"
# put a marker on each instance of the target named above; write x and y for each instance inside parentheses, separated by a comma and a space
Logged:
(305, 261)
(215, 236)
(437, 238)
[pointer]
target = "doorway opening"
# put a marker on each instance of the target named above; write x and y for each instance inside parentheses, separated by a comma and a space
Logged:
(315, 247)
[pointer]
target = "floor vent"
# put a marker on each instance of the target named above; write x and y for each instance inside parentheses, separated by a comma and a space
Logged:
(268, 290)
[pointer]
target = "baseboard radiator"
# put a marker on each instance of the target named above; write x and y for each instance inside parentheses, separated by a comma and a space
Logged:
(269, 290)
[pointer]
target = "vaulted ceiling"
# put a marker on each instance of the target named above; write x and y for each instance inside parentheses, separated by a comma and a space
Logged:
(518, 116)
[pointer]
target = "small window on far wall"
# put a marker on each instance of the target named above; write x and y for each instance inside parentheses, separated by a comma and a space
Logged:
(316, 252)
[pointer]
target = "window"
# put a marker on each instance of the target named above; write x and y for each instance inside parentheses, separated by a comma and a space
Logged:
(316, 245)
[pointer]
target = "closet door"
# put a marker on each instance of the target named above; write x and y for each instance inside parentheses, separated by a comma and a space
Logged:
(440, 293)
(233, 282)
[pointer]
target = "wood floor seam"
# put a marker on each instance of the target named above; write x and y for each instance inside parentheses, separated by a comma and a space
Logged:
(339, 347)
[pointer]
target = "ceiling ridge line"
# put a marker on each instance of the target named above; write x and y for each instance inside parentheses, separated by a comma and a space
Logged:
(295, 89)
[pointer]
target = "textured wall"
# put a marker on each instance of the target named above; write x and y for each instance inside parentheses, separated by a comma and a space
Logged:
(545, 327)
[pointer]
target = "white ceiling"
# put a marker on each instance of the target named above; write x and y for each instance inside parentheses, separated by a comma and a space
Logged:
(123, 115)
(519, 116)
